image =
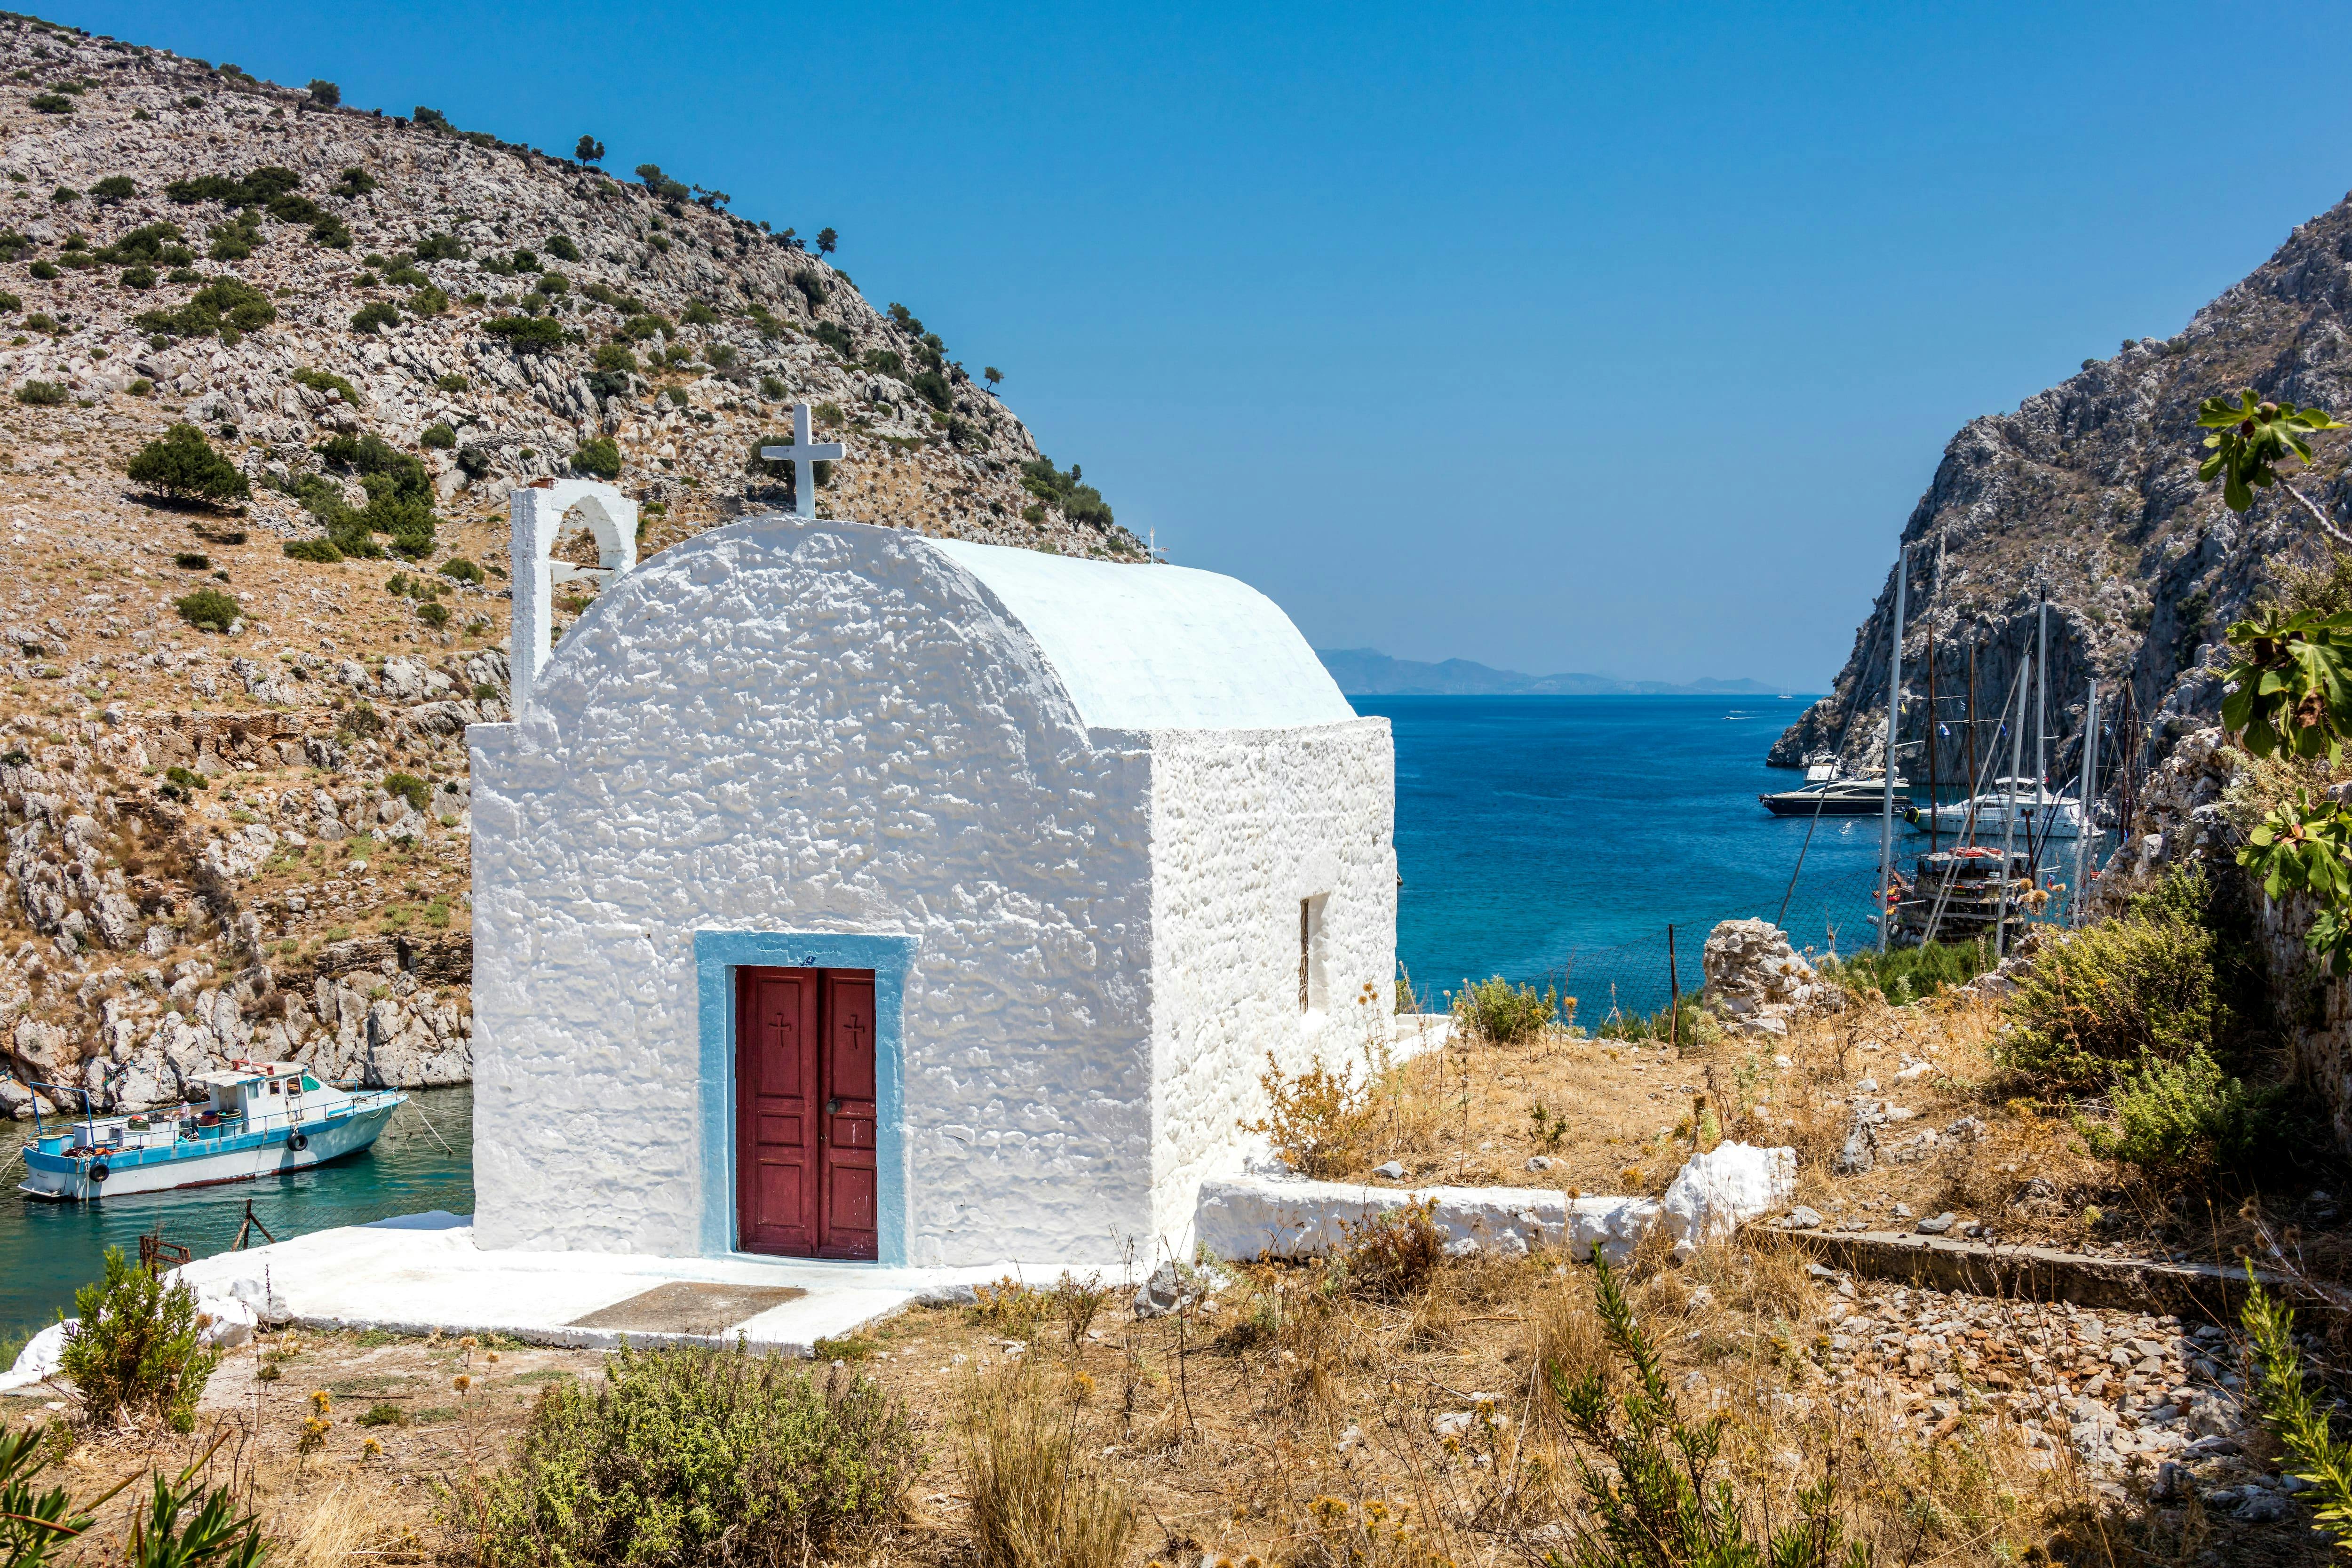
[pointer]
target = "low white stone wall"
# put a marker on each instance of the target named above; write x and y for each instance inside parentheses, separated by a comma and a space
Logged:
(1715, 1194)
(1249, 1216)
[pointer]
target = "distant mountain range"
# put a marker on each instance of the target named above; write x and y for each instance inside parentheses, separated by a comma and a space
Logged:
(1368, 672)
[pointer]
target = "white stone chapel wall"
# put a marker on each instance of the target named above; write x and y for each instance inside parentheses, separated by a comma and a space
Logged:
(1245, 825)
(814, 727)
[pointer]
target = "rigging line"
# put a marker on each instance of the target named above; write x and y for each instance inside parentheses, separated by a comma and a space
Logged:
(1944, 894)
(1780, 916)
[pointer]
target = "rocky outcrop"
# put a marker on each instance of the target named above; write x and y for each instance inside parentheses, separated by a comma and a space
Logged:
(2087, 495)
(1756, 982)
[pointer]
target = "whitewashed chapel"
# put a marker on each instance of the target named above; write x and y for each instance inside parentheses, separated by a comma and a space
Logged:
(842, 892)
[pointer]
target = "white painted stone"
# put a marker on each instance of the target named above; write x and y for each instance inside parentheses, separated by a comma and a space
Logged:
(540, 514)
(1242, 1217)
(1096, 796)
(1717, 1192)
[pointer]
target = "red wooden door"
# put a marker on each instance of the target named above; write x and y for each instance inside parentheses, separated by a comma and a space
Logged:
(806, 1184)
(849, 1228)
(776, 1105)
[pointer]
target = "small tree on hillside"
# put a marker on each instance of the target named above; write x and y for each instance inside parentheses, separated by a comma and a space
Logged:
(993, 375)
(324, 93)
(826, 241)
(588, 149)
(182, 464)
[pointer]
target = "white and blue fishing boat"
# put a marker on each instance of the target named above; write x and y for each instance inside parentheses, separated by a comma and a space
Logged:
(258, 1120)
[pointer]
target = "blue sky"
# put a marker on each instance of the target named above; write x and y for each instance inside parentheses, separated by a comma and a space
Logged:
(1564, 337)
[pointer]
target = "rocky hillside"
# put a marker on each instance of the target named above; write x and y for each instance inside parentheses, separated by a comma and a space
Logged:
(2088, 494)
(236, 824)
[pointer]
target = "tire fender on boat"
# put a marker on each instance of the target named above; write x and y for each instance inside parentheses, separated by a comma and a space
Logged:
(99, 1170)
(297, 1141)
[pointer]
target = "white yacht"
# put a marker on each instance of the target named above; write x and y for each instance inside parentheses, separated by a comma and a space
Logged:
(2040, 814)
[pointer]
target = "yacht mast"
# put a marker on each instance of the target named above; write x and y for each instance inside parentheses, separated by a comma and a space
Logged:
(2083, 794)
(1894, 724)
(2008, 817)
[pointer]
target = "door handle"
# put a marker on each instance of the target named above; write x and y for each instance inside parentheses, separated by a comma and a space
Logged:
(832, 1107)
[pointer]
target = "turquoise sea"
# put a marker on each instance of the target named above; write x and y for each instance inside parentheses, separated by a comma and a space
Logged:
(1544, 838)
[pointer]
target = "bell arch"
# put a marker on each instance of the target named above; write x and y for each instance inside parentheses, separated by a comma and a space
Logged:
(542, 514)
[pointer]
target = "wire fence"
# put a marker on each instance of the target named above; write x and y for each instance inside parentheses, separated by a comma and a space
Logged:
(1607, 984)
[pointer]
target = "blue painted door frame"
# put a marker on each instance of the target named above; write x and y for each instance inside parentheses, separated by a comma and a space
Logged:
(718, 955)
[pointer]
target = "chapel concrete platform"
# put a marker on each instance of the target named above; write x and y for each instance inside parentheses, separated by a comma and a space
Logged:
(420, 1273)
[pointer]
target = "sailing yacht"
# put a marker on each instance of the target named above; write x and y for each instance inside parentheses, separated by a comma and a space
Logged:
(2040, 813)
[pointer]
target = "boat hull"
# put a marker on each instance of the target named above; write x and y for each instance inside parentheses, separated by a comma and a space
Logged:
(1954, 820)
(67, 1180)
(1794, 804)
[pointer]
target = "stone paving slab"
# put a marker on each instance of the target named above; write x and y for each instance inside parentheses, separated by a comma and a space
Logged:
(422, 1273)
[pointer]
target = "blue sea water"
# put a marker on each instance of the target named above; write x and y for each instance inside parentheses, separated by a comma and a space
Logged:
(1543, 839)
(1554, 839)
(47, 1249)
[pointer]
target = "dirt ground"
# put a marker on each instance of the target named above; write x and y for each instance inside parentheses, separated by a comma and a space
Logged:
(1280, 1415)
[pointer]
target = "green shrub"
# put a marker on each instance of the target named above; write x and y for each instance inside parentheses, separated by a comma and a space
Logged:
(428, 301)
(354, 183)
(51, 103)
(399, 503)
(410, 788)
(141, 387)
(599, 457)
(461, 569)
(376, 313)
(1905, 974)
(323, 551)
(693, 1456)
(561, 247)
(113, 189)
(44, 270)
(435, 614)
(1081, 503)
(134, 1351)
(526, 334)
(834, 336)
(183, 464)
(772, 388)
(440, 437)
(9, 303)
(43, 393)
(1503, 1014)
(208, 609)
(452, 382)
(193, 560)
(182, 1526)
(643, 325)
(326, 381)
(2187, 1118)
(615, 356)
(218, 307)
(2116, 995)
(555, 285)
(138, 278)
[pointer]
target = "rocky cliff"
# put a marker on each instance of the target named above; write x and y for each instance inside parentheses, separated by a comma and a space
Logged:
(240, 828)
(2088, 495)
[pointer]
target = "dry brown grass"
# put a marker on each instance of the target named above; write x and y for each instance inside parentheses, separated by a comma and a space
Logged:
(1035, 1504)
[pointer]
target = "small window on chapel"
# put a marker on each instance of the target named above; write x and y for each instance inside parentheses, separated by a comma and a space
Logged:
(1312, 987)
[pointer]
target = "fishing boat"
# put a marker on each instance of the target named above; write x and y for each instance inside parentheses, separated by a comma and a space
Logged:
(257, 1120)
(1829, 791)
(1962, 894)
(2040, 813)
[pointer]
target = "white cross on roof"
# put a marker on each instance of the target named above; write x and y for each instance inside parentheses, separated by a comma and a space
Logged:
(803, 455)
